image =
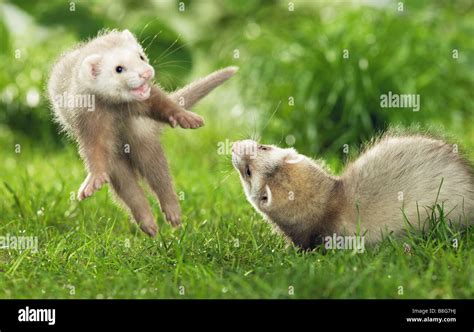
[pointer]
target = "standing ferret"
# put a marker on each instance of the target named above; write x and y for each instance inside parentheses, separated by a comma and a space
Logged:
(397, 177)
(117, 134)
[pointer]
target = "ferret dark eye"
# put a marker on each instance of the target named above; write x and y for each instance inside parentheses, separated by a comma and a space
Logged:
(247, 171)
(142, 58)
(263, 147)
(119, 69)
(264, 198)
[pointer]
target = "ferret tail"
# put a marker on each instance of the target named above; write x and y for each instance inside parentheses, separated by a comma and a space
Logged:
(192, 93)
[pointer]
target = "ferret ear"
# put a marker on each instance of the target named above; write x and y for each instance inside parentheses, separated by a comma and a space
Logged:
(90, 66)
(129, 35)
(293, 157)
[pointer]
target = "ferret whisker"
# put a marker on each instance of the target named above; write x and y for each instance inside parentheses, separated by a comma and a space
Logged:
(222, 181)
(171, 66)
(258, 137)
(227, 172)
(144, 40)
(169, 80)
(178, 61)
(171, 61)
(177, 49)
(146, 26)
(173, 51)
(151, 42)
(281, 139)
(255, 136)
(166, 50)
(255, 128)
(271, 117)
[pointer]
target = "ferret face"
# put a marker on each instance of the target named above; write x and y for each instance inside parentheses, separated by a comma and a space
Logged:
(259, 165)
(121, 73)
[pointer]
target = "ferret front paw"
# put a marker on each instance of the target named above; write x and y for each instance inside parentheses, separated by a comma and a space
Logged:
(173, 214)
(91, 184)
(186, 120)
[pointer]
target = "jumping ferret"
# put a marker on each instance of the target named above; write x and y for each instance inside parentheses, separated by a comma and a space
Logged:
(117, 131)
(398, 173)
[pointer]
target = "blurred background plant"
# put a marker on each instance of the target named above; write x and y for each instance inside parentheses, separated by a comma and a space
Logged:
(311, 76)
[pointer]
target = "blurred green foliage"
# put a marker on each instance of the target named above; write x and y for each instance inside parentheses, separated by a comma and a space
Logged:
(284, 56)
(335, 61)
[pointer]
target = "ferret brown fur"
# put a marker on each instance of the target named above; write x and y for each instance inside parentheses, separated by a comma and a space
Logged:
(117, 131)
(398, 177)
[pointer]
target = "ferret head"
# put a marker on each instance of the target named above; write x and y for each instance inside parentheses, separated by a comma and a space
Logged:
(288, 188)
(264, 173)
(117, 68)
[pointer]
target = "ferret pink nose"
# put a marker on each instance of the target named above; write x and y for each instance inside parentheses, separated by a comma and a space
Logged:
(146, 74)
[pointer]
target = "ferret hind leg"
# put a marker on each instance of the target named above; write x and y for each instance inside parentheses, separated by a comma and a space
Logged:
(149, 158)
(125, 185)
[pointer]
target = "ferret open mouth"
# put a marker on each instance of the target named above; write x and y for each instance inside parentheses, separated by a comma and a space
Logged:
(142, 92)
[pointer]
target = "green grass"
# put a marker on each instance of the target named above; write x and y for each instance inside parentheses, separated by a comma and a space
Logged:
(223, 250)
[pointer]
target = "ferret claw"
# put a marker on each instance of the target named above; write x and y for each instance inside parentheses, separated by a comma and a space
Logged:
(91, 184)
(151, 228)
(172, 121)
(173, 215)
